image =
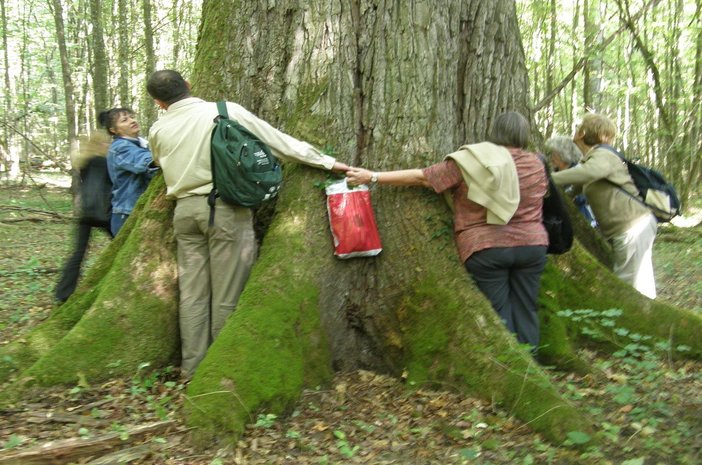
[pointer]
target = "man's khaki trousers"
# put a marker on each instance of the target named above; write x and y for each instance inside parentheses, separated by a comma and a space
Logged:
(213, 266)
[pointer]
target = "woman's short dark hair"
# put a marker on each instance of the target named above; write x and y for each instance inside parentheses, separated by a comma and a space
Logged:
(108, 118)
(510, 129)
(167, 86)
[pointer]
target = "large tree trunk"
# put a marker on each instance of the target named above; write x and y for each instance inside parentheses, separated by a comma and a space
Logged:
(386, 87)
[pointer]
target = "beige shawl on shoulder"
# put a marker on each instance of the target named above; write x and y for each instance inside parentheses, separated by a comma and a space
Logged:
(491, 176)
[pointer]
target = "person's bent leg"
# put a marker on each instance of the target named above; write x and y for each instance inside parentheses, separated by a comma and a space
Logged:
(644, 279)
(116, 222)
(632, 252)
(232, 245)
(193, 281)
(489, 270)
(525, 282)
(106, 227)
(71, 270)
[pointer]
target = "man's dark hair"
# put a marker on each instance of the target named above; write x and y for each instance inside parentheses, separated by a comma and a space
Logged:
(510, 129)
(167, 86)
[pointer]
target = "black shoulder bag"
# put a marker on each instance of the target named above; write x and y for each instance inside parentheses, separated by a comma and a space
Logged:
(556, 219)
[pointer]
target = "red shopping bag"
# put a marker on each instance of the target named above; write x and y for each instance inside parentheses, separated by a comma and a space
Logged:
(352, 221)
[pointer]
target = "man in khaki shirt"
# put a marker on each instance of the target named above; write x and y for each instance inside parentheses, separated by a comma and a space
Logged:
(213, 261)
(629, 226)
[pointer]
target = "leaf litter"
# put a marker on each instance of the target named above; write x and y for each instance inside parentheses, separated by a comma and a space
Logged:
(362, 417)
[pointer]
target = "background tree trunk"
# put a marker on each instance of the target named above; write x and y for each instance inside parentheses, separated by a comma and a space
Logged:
(176, 10)
(123, 45)
(71, 131)
(99, 58)
(592, 71)
(10, 158)
(694, 156)
(149, 113)
(368, 81)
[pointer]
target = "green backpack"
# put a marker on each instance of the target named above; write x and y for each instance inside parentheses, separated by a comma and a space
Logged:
(244, 171)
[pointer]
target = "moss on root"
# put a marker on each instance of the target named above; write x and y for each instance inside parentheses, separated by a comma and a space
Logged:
(578, 281)
(124, 313)
(451, 345)
(557, 347)
(23, 352)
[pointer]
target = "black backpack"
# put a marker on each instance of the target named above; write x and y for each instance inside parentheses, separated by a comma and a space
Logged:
(655, 192)
(244, 171)
(96, 192)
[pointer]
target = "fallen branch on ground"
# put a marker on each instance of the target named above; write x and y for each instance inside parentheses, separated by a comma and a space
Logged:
(68, 450)
(37, 211)
(58, 417)
(29, 271)
(31, 219)
(123, 456)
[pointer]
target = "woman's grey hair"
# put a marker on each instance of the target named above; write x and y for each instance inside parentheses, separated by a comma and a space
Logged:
(510, 129)
(565, 148)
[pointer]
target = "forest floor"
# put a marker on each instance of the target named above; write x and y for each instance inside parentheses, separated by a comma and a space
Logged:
(647, 407)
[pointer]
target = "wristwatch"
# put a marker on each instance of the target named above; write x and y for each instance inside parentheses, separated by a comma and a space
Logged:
(374, 178)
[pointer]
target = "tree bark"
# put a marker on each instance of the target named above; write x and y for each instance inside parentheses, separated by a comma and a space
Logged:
(9, 157)
(387, 87)
(99, 57)
(592, 71)
(57, 10)
(125, 97)
(149, 108)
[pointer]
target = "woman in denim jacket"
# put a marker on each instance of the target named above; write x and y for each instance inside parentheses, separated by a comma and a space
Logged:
(128, 162)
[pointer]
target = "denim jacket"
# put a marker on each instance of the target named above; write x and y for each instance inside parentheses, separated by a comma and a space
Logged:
(128, 164)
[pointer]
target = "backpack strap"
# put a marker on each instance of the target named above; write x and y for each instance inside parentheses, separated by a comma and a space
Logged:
(212, 197)
(617, 153)
(638, 197)
(222, 109)
(547, 171)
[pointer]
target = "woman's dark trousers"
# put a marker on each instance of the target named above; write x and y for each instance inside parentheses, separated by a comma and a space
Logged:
(510, 277)
(71, 270)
